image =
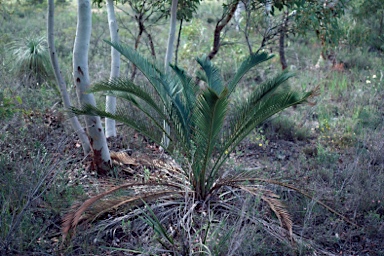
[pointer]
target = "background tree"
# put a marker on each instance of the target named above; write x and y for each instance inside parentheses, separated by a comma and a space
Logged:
(320, 17)
(60, 80)
(278, 19)
(145, 13)
(101, 157)
(110, 104)
(185, 11)
(168, 58)
(366, 28)
(228, 12)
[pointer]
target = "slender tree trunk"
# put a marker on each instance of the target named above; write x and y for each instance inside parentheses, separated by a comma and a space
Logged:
(246, 29)
(219, 27)
(110, 126)
(178, 41)
(171, 37)
(283, 33)
(60, 80)
(150, 41)
(168, 56)
(137, 41)
(101, 157)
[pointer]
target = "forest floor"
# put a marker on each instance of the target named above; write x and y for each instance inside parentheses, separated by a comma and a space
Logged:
(277, 158)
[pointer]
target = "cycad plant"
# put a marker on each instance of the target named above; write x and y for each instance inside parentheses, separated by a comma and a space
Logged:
(31, 60)
(205, 129)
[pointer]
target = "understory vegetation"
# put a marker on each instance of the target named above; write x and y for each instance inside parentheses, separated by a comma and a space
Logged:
(306, 181)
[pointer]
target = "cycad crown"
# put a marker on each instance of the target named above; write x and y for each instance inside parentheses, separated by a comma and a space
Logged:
(204, 127)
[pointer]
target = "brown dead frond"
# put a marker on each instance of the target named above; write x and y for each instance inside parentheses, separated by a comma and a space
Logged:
(123, 158)
(282, 184)
(140, 191)
(280, 210)
(315, 93)
(274, 203)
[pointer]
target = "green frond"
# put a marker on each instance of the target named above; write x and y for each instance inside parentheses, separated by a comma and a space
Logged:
(245, 66)
(208, 118)
(168, 89)
(214, 79)
(121, 116)
(267, 100)
(125, 89)
(148, 69)
(268, 87)
(179, 113)
(151, 219)
(249, 108)
(260, 112)
(190, 88)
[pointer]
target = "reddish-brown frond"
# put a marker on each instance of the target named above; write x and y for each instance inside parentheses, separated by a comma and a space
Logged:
(274, 203)
(146, 191)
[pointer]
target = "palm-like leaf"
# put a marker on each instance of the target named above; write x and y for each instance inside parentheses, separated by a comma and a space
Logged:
(204, 127)
(125, 89)
(264, 102)
(197, 117)
(209, 119)
(246, 65)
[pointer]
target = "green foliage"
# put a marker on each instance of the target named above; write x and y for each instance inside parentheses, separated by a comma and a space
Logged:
(204, 130)
(316, 16)
(200, 119)
(8, 106)
(31, 60)
(321, 18)
(186, 9)
(367, 26)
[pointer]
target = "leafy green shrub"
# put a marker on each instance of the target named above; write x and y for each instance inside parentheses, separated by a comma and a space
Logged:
(204, 131)
(8, 106)
(368, 26)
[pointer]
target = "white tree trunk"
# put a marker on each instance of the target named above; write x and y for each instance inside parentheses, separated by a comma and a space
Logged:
(110, 127)
(59, 78)
(168, 56)
(101, 156)
(171, 37)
